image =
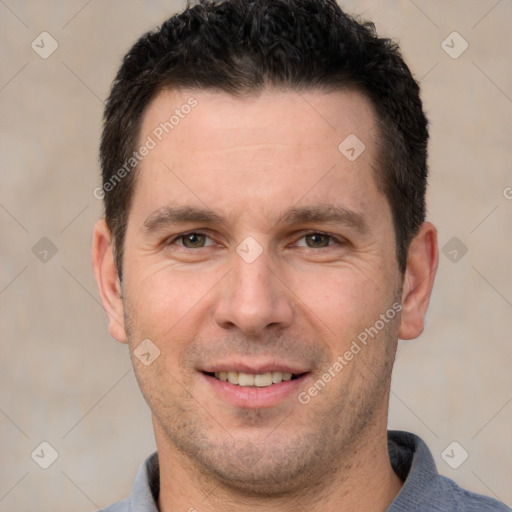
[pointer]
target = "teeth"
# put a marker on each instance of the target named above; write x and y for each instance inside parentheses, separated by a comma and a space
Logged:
(263, 379)
(260, 380)
(245, 379)
(277, 377)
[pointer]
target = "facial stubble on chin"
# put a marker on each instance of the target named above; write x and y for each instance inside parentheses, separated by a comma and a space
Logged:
(284, 461)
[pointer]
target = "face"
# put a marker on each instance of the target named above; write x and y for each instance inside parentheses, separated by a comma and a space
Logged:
(254, 246)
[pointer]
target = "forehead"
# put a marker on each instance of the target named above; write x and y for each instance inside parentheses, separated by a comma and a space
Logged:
(257, 150)
(294, 116)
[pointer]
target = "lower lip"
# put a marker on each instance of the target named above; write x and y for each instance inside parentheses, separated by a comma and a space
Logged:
(255, 398)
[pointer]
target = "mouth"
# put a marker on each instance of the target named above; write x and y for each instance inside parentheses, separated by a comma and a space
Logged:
(254, 386)
(251, 380)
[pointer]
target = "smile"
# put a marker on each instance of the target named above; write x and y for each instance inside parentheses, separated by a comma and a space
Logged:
(260, 380)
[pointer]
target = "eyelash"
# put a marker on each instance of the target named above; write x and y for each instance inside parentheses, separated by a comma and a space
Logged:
(332, 239)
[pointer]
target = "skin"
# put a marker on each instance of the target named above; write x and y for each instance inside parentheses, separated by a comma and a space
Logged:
(250, 161)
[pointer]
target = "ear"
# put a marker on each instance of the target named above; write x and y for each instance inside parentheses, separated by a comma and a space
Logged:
(108, 281)
(422, 260)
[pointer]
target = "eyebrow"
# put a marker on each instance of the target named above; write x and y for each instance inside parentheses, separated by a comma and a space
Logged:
(305, 215)
(179, 214)
(327, 213)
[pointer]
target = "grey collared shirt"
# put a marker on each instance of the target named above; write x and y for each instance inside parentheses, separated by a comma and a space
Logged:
(424, 490)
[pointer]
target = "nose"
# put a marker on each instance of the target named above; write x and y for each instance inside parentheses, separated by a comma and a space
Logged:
(254, 297)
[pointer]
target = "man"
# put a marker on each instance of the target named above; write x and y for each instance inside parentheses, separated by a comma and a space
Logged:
(264, 247)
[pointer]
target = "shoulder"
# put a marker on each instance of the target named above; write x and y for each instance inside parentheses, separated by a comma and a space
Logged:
(121, 506)
(452, 495)
(146, 487)
(424, 489)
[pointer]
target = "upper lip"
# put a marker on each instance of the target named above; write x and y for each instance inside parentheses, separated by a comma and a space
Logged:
(255, 368)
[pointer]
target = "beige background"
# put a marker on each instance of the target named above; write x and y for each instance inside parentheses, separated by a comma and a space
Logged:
(65, 381)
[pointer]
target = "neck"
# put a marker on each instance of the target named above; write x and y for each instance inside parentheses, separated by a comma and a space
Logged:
(363, 480)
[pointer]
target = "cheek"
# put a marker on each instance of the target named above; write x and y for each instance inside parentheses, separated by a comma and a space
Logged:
(166, 305)
(346, 301)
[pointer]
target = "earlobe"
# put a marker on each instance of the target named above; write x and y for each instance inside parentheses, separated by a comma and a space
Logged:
(107, 279)
(421, 269)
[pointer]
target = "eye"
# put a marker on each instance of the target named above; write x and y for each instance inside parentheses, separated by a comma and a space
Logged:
(316, 241)
(193, 240)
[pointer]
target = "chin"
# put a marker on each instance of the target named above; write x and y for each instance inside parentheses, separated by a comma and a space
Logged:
(262, 469)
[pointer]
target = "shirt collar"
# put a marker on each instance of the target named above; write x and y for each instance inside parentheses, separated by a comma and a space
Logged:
(144, 496)
(413, 463)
